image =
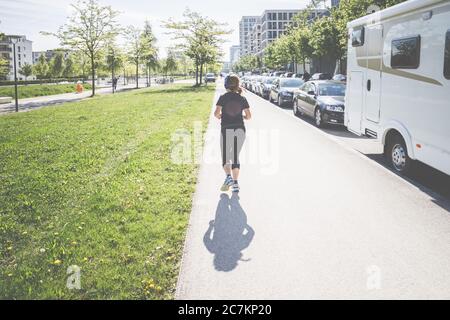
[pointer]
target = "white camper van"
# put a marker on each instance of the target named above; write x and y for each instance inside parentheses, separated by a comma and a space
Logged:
(398, 82)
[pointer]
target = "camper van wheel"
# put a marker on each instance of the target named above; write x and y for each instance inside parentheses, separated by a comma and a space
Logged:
(397, 154)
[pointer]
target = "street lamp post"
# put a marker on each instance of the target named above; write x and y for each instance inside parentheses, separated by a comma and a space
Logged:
(113, 75)
(14, 41)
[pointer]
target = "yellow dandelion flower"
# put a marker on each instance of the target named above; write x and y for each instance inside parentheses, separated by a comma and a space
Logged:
(57, 262)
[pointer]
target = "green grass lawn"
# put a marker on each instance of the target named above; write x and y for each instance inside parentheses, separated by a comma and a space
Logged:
(92, 184)
(38, 90)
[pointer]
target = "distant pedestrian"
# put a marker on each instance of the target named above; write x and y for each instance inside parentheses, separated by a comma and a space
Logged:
(306, 76)
(232, 109)
(115, 80)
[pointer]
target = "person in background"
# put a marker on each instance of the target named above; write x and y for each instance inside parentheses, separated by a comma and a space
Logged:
(115, 80)
(306, 76)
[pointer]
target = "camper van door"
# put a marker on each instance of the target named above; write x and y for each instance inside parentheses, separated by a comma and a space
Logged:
(374, 55)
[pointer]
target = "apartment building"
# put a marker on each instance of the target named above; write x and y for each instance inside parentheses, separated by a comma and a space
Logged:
(49, 54)
(335, 3)
(273, 25)
(255, 38)
(24, 53)
(275, 22)
(235, 53)
(245, 27)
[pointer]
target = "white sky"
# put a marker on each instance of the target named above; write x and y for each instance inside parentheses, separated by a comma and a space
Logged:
(29, 17)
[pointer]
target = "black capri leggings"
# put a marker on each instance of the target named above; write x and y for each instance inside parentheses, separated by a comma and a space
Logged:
(231, 142)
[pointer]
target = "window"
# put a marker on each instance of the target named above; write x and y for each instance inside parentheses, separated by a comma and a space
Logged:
(358, 37)
(280, 16)
(447, 56)
(405, 53)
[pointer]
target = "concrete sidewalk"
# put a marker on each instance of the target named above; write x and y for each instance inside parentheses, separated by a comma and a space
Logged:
(313, 220)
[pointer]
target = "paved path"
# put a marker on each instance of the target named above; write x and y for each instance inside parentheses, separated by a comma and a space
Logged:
(39, 102)
(314, 219)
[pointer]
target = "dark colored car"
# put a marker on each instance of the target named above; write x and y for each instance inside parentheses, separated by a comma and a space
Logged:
(282, 90)
(278, 73)
(320, 76)
(266, 86)
(322, 100)
(340, 77)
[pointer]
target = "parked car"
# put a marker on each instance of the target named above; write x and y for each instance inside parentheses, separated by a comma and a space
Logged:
(322, 100)
(282, 90)
(278, 73)
(266, 86)
(210, 77)
(257, 85)
(288, 74)
(254, 84)
(245, 82)
(320, 76)
(340, 77)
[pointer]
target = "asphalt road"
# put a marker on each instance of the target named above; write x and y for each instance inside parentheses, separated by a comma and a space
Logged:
(317, 217)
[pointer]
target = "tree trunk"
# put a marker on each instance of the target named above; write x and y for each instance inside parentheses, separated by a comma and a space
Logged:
(201, 73)
(93, 74)
(137, 75)
(149, 77)
(304, 65)
(196, 74)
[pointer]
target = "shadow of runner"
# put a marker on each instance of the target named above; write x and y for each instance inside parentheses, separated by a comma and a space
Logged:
(230, 233)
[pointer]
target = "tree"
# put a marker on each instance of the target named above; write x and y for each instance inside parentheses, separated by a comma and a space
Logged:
(139, 48)
(114, 59)
(150, 57)
(246, 63)
(4, 68)
(57, 65)
(41, 68)
(303, 50)
(200, 39)
(26, 70)
(4, 64)
(90, 28)
(81, 64)
(170, 63)
(69, 68)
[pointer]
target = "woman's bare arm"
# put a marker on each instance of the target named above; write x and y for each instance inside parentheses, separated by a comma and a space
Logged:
(218, 112)
(247, 114)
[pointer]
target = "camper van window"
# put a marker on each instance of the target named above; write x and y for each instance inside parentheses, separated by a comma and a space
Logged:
(405, 53)
(447, 56)
(358, 37)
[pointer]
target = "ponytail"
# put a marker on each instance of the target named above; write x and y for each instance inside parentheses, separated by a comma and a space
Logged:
(233, 84)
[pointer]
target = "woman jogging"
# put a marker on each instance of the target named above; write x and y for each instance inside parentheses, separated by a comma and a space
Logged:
(229, 110)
